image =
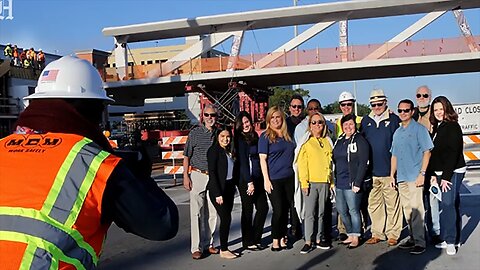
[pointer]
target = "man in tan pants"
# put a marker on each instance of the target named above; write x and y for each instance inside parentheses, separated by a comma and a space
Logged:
(203, 216)
(383, 202)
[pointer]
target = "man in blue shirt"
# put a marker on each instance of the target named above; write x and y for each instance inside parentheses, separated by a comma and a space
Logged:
(410, 155)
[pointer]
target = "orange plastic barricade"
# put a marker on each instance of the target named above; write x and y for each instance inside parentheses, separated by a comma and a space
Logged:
(173, 155)
(471, 139)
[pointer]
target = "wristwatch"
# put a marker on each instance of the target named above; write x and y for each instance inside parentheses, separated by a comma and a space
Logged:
(423, 173)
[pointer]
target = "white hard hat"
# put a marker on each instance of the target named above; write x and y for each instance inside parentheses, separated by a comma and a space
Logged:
(72, 78)
(344, 96)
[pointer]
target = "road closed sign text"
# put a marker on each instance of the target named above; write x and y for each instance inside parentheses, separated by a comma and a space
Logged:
(468, 117)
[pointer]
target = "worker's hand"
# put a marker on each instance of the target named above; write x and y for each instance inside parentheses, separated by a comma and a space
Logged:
(355, 189)
(187, 183)
(268, 186)
(250, 189)
(219, 200)
(306, 191)
(445, 185)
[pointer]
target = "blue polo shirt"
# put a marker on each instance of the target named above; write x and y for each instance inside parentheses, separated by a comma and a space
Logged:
(279, 156)
(408, 146)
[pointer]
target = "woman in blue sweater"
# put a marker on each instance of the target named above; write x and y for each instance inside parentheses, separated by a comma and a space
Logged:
(250, 182)
(350, 156)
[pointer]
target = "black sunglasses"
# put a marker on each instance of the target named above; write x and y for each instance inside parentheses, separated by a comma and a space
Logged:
(297, 106)
(210, 114)
(313, 109)
(320, 122)
(346, 104)
(404, 110)
(424, 95)
(376, 104)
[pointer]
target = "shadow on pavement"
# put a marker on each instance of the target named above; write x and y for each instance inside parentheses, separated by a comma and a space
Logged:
(398, 259)
(469, 208)
(314, 263)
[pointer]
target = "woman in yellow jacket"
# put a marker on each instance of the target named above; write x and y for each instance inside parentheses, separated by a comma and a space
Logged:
(315, 176)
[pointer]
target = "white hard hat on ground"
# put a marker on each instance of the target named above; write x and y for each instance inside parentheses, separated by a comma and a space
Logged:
(71, 78)
(344, 96)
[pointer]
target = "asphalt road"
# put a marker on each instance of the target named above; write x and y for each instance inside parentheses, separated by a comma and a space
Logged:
(127, 251)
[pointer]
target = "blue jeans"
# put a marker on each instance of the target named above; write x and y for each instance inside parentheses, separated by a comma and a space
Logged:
(450, 220)
(348, 206)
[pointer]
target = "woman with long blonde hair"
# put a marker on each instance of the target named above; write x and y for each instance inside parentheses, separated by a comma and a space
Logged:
(276, 151)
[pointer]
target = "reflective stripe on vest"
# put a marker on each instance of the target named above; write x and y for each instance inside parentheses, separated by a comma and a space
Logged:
(48, 232)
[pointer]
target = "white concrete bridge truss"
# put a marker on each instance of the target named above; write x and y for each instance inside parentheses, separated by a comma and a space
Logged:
(216, 29)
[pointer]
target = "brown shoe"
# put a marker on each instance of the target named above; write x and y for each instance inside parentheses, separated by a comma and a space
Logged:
(392, 242)
(373, 240)
(213, 250)
(197, 255)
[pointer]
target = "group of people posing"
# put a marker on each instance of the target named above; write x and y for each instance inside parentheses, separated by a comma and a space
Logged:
(374, 168)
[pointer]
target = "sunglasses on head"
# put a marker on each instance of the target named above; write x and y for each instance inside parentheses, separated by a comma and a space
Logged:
(404, 110)
(422, 95)
(210, 114)
(313, 108)
(320, 122)
(296, 106)
(349, 104)
(376, 104)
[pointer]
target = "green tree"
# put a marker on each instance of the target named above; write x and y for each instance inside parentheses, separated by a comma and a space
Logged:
(334, 108)
(281, 96)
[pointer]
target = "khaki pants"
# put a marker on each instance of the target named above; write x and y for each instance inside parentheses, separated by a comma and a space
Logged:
(203, 216)
(384, 209)
(411, 200)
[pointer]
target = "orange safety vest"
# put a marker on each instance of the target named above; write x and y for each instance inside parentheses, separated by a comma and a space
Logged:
(51, 190)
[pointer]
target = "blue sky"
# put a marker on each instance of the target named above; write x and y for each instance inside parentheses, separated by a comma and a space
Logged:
(64, 26)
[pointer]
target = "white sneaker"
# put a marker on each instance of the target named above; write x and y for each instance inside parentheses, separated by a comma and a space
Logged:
(441, 245)
(451, 249)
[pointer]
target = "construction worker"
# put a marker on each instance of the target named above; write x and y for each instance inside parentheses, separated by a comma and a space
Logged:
(40, 59)
(61, 186)
(8, 52)
(347, 102)
(16, 56)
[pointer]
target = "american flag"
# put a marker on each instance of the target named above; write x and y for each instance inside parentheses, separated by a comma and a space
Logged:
(49, 75)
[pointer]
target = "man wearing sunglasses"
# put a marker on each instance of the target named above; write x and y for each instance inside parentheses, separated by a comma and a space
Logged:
(203, 216)
(383, 202)
(296, 113)
(410, 155)
(421, 113)
(296, 116)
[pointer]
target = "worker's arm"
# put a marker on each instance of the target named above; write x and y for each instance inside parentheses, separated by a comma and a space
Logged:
(139, 206)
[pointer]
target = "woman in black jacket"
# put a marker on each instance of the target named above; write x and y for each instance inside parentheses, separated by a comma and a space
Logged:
(221, 185)
(250, 182)
(447, 165)
(350, 156)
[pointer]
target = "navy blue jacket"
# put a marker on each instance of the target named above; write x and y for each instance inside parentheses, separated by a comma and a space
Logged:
(380, 139)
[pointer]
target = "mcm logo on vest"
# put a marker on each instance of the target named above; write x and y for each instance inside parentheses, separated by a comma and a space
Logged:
(6, 9)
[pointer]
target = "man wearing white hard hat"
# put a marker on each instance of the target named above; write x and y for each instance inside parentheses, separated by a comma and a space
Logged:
(62, 186)
(383, 202)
